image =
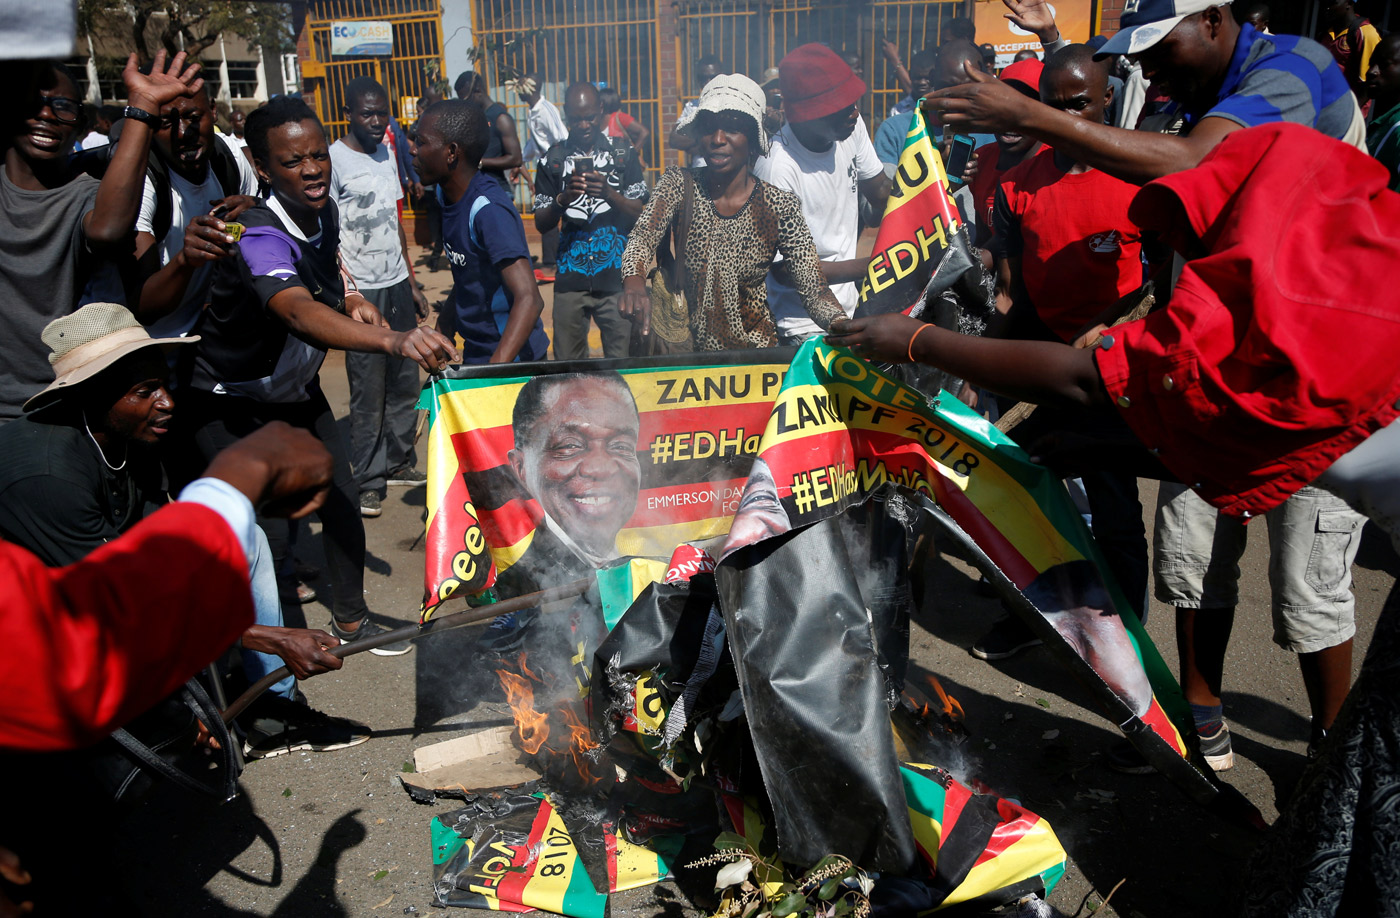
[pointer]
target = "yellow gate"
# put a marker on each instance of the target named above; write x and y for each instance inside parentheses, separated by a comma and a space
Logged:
(417, 27)
(749, 36)
(612, 42)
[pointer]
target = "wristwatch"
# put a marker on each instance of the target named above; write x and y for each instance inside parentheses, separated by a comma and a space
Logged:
(141, 115)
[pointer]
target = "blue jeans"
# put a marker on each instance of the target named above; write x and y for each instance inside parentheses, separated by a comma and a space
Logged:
(267, 610)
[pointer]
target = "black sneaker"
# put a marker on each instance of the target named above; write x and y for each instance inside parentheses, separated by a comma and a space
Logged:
(1124, 758)
(370, 505)
(1216, 749)
(369, 629)
(505, 636)
(277, 725)
(407, 476)
(1007, 638)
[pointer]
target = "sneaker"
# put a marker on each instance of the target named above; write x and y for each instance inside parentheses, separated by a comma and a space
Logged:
(408, 476)
(1124, 758)
(1216, 749)
(278, 725)
(1007, 638)
(369, 504)
(369, 629)
(505, 636)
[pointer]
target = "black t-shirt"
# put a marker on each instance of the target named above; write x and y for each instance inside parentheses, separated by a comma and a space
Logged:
(58, 498)
(592, 233)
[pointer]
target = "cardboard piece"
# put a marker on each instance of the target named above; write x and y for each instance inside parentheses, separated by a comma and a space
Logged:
(472, 764)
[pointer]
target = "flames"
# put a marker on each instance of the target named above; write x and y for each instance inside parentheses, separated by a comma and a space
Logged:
(573, 741)
(952, 708)
(932, 710)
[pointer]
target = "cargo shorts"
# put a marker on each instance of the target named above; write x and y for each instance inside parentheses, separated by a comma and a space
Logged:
(1313, 540)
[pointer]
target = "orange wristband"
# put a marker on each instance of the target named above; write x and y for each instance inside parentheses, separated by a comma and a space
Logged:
(912, 338)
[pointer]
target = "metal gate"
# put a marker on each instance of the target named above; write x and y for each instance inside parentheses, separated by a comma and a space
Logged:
(612, 42)
(749, 36)
(417, 27)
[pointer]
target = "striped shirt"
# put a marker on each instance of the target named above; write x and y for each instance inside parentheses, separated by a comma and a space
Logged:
(1282, 78)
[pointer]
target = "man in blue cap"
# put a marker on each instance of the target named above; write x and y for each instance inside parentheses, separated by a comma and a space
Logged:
(1221, 75)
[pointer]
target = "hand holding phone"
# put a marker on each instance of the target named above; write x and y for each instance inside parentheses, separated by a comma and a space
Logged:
(959, 155)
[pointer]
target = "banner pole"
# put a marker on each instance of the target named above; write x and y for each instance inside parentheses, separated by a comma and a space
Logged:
(413, 632)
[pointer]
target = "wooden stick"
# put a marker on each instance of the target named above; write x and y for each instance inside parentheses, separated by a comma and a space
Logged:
(414, 632)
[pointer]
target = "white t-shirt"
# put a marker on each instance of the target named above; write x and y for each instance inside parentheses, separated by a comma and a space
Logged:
(366, 189)
(828, 184)
(187, 201)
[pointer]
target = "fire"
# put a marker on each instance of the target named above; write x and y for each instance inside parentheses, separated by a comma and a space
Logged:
(530, 725)
(952, 708)
(580, 743)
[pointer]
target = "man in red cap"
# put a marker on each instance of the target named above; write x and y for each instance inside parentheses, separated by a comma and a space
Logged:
(824, 156)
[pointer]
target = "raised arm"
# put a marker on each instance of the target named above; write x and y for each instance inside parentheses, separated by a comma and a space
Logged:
(118, 199)
(989, 105)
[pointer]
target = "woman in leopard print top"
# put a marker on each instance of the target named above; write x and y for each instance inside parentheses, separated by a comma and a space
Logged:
(738, 223)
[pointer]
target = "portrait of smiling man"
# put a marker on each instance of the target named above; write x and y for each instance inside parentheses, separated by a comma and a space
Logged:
(576, 454)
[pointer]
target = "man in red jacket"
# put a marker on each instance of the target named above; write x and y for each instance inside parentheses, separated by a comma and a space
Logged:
(1264, 373)
(91, 645)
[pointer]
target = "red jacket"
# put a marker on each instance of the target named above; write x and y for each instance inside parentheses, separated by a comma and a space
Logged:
(89, 646)
(1277, 352)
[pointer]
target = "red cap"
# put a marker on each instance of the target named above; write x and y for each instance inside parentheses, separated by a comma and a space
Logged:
(817, 83)
(1026, 72)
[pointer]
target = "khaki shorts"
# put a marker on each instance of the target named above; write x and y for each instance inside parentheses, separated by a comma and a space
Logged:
(1313, 539)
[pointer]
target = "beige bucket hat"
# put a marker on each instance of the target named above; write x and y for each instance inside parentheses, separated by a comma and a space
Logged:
(89, 341)
(730, 92)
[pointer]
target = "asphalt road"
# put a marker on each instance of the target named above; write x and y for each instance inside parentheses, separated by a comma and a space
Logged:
(334, 834)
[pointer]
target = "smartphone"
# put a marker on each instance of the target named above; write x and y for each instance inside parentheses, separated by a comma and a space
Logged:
(958, 158)
(584, 165)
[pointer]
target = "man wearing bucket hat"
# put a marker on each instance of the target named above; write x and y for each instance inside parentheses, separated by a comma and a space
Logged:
(77, 471)
(822, 155)
(1222, 76)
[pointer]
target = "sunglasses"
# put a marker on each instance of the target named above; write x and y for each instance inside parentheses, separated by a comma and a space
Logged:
(729, 122)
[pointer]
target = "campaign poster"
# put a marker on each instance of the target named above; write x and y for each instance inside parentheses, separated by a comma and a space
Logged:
(539, 474)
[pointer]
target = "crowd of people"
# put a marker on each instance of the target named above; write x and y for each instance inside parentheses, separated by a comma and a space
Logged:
(149, 260)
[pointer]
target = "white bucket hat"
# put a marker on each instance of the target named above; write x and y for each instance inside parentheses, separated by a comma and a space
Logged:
(731, 92)
(88, 342)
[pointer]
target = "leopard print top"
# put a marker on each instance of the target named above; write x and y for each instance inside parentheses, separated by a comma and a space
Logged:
(727, 259)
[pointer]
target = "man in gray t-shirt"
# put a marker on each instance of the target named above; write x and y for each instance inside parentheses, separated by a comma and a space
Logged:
(383, 389)
(55, 226)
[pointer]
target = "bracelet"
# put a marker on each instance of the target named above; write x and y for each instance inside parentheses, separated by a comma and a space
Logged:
(912, 338)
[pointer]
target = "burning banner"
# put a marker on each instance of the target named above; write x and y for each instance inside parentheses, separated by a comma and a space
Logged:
(749, 531)
(841, 431)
